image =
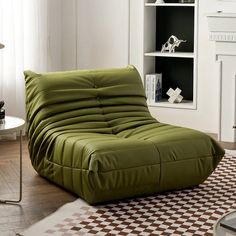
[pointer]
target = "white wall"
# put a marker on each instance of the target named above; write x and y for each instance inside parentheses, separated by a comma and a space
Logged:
(42, 35)
(62, 36)
(205, 118)
(54, 35)
(102, 33)
(80, 34)
(69, 34)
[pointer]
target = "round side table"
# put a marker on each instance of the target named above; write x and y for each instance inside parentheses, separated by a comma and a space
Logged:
(222, 231)
(9, 125)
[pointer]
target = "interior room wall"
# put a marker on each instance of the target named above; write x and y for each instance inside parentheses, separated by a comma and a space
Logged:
(69, 34)
(61, 27)
(103, 27)
(62, 35)
(54, 35)
(31, 32)
(49, 29)
(42, 35)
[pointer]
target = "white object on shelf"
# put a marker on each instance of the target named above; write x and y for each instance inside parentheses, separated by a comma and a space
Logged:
(171, 44)
(153, 87)
(159, 2)
(158, 87)
(147, 87)
(174, 95)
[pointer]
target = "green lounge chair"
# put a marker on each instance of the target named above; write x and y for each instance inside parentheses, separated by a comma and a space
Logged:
(91, 133)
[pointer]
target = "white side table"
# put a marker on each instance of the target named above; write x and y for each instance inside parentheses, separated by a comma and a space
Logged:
(221, 231)
(13, 124)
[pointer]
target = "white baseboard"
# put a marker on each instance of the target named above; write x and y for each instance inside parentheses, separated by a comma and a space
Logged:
(230, 152)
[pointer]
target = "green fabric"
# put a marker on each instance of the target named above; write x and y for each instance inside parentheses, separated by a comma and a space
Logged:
(91, 132)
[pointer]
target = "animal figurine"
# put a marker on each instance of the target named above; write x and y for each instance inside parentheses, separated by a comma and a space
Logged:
(171, 44)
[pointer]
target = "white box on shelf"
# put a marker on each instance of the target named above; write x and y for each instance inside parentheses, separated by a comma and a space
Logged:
(158, 87)
(148, 87)
(153, 87)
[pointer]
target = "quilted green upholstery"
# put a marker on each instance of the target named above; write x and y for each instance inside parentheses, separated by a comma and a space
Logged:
(91, 133)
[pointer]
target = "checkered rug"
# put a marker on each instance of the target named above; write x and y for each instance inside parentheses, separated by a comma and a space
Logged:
(187, 212)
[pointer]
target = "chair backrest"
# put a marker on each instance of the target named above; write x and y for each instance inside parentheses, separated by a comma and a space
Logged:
(91, 99)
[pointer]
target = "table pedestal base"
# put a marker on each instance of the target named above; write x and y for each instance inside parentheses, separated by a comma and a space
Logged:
(20, 191)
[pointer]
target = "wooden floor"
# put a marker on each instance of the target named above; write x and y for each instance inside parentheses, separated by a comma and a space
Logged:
(40, 198)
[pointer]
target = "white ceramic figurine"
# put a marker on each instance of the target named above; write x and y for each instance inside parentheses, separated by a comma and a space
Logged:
(171, 44)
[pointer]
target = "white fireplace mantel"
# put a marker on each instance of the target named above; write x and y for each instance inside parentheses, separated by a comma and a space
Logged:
(222, 27)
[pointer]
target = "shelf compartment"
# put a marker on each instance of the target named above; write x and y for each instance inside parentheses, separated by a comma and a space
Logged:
(185, 104)
(169, 4)
(167, 54)
(176, 72)
(178, 22)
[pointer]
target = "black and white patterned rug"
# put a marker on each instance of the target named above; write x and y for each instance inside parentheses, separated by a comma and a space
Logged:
(187, 212)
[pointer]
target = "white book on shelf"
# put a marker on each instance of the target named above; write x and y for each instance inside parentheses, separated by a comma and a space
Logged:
(158, 87)
(153, 87)
(148, 87)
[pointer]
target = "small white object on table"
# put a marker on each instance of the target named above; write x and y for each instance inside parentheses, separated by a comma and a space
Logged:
(221, 231)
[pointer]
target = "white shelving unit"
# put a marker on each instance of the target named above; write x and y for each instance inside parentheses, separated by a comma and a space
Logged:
(186, 57)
